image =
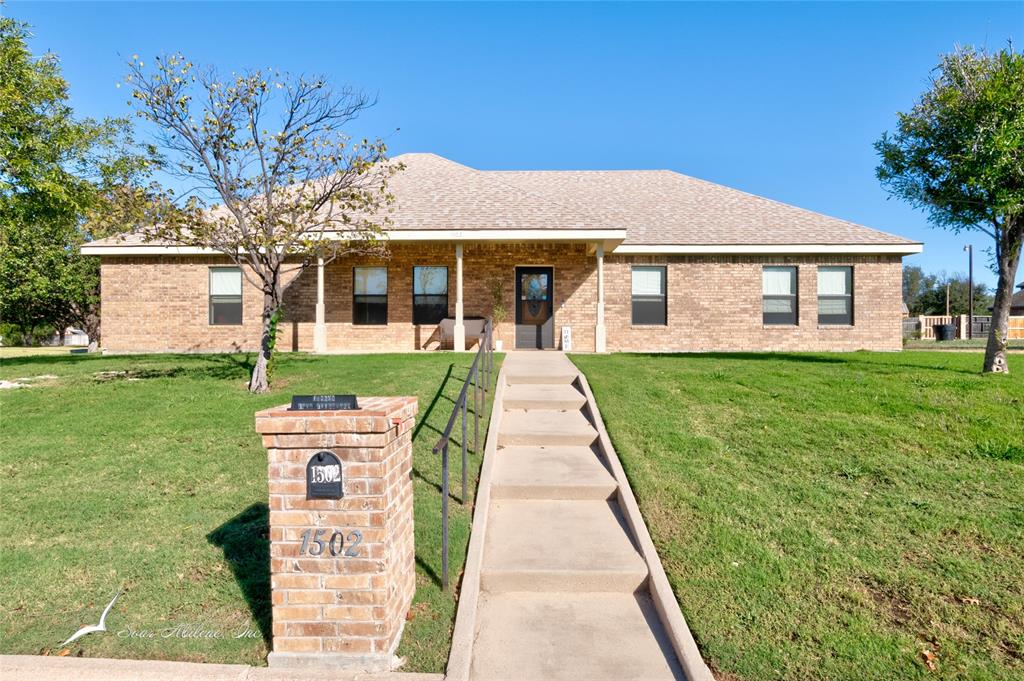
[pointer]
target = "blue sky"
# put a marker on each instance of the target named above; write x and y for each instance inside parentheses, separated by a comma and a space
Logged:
(778, 99)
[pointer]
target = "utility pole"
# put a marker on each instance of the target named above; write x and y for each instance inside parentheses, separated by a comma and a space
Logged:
(947, 300)
(970, 290)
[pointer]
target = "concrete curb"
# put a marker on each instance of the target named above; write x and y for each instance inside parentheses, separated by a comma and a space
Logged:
(664, 599)
(460, 658)
(45, 668)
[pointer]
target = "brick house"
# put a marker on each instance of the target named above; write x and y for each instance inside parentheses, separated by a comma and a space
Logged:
(625, 260)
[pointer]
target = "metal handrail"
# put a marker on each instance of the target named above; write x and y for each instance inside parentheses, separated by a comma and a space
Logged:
(483, 363)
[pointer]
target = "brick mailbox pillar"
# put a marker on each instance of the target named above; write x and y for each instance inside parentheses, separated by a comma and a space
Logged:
(342, 567)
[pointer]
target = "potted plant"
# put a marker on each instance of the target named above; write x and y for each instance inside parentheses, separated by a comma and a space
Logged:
(499, 313)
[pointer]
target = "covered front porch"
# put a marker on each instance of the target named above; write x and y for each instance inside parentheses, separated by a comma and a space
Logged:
(434, 295)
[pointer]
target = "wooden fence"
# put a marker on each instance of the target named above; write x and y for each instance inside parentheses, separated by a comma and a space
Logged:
(923, 325)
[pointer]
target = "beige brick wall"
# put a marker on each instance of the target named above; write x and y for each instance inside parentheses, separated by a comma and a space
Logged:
(714, 302)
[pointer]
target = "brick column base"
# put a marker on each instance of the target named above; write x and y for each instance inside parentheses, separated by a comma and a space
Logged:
(343, 570)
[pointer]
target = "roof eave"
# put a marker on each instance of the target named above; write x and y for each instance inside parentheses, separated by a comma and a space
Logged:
(909, 248)
(611, 238)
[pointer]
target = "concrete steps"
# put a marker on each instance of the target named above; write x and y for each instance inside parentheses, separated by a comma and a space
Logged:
(563, 589)
(560, 396)
(540, 374)
(551, 473)
(568, 637)
(539, 428)
(544, 545)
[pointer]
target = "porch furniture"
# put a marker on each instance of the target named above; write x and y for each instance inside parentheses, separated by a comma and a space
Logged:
(474, 328)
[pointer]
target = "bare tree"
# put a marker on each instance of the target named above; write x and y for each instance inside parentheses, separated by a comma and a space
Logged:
(273, 181)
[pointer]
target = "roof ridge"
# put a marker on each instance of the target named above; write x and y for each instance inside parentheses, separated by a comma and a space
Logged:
(584, 170)
(788, 205)
(717, 185)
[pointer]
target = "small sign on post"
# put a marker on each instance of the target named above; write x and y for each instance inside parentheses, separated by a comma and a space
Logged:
(324, 403)
(567, 339)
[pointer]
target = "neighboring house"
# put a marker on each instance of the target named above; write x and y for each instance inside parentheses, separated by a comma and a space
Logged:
(629, 260)
(1017, 302)
(71, 337)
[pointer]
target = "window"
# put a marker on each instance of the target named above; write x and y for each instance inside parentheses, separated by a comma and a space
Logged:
(429, 294)
(835, 295)
(649, 295)
(225, 295)
(370, 295)
(779, 289)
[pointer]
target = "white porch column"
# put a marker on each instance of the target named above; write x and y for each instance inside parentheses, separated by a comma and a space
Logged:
(599, 333)
(320, 329)
(460, 327)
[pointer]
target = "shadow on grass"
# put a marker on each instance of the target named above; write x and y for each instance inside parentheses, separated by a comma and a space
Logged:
(231, 366)
(429, 571)
(424, 423)
(212, 365)
(245, 541)
(430, 409)
(29, 360)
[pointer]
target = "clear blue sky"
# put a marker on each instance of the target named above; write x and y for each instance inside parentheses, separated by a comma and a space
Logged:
(778, 99)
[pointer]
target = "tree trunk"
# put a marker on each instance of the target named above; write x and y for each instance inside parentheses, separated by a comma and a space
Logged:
(995, 351)
(259, 382)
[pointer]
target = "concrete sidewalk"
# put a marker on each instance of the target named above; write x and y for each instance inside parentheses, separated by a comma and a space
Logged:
(562, 587)
(40, 668)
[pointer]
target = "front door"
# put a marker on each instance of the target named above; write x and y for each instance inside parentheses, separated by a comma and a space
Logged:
(535, 293)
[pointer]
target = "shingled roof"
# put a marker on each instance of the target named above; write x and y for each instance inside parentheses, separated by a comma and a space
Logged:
(654, 207)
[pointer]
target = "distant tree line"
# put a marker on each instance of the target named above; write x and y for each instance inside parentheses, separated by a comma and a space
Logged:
(925, 293)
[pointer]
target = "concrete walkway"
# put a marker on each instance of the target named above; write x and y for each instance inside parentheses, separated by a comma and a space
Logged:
(563, 588)
(40, 668)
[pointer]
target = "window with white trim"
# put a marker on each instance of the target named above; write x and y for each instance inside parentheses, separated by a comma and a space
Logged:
(778, 288)
(835, 295)
(225, 296)
(650, 295)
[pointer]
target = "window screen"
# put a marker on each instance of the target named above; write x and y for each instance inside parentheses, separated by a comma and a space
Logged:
(225, 295)
(835, 295)
(779, 291)
(649, 295)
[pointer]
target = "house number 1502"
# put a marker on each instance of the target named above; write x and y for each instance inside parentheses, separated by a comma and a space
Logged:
(314, 544)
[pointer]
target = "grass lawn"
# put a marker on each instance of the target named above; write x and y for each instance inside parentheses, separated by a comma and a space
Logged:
(155, 482)
(18, 351)
(960, 344)
(856, 516)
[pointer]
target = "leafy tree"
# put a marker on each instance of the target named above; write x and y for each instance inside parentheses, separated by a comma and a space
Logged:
(959, 155)
(932, 298)
(55, 170)
(273, 182)
(916, 283)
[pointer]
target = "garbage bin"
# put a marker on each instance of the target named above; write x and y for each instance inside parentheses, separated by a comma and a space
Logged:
(944, 332)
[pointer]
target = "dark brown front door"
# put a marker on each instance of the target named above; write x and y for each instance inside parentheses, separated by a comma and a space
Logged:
(535, 292)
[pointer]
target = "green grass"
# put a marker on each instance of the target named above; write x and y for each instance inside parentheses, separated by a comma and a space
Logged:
(831, 516)
(155, 482)
(959, 344)
(19, 351)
